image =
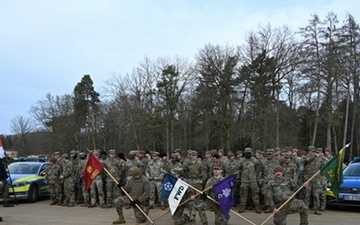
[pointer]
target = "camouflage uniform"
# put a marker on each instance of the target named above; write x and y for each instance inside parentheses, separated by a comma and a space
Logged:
(116, 168)
(130, 163)
(249, 169)
(280, 189)
(195, 171)
(69, 182)
(52, 174)
(267, 167)
(311, 165)
(81, 166)
(138, 189)
(155, 173)
(97, 186)
(77, 176)
(220, 218)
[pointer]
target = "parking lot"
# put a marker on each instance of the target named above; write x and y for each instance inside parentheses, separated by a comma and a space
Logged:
(42, 213)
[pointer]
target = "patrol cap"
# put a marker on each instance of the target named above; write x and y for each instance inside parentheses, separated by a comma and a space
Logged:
(72, 152)
(112, 151)
(312, 148)
(174, 155)
(217, 166)
(178, 150)
(207, 152)
(193, 152)
(81, 154)
(318, 150)
(178, 170)
(141, 152)
(239, 152)
(135, 171)
(269, 151)
(155, 153)
(64, 155)
(213, 151)
(248, 150)
(96, 152)
(56, 153)
(133, 152)
(278, 168)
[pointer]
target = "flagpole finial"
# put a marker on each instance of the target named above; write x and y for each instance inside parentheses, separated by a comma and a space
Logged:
(347, 145)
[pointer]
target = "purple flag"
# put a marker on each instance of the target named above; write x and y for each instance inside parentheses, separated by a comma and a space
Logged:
(224, 194)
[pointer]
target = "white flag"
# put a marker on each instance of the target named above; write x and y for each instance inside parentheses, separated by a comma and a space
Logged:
(2, 151)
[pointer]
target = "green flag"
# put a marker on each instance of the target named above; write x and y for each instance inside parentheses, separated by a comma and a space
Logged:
(333, 171)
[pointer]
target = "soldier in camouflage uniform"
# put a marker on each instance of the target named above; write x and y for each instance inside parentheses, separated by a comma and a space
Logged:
(132, 162)
(312, 164)
(116, 168)
(138, 187)
(196, 175)
(173, 163)
(267, 167)
(249, 169)
(81, 166)
(52, 174)
(77, 176)
(280, 189)
(220, 218)
(290, 168)
(67, 176)
(97, 186)
(59, 191)
(155, 173)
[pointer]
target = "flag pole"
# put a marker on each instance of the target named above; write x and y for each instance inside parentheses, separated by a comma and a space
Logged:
(127, 194)
(292, 196)
(181, 204)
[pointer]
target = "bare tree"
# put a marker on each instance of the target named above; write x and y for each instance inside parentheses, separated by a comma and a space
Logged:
(22, 127)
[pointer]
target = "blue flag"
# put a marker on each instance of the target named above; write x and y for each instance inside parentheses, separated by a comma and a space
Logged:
(224, 194)
(173, 190)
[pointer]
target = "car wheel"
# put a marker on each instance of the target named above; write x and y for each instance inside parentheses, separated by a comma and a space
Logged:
(33, 194)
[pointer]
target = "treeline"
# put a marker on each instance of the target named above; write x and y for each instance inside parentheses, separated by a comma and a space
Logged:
(276, 88)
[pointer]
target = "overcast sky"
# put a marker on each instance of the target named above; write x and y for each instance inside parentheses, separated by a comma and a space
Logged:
(46, 46)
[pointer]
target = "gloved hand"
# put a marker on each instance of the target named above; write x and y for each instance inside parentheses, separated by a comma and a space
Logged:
(203, 196)
(119, 185)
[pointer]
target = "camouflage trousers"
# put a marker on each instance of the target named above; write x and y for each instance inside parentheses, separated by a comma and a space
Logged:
(5, 190)
(69, 191)
(178, 216)
(59, 190)
(121, 201)
(52, 192)
(295, 205)
(220, 218)
(197, 206)
(85, 193)
(313, 192)
(97, 186)
(112, 191)
(249, 189)
(155, 192)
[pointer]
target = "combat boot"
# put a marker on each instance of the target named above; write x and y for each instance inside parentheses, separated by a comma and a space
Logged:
(120, 220)
(53, 202)
(241, 208)
(317, 212)
(257, 209)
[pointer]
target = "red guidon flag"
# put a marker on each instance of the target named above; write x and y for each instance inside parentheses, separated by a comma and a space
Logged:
(92, 169)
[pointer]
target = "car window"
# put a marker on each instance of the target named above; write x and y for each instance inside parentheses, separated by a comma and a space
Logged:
(23, 168)
(352, 170)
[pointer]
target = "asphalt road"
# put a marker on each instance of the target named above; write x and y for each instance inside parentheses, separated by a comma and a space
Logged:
(42, 213)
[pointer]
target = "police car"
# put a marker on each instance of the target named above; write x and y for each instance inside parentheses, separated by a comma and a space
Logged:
(349, 193)
(26, 180)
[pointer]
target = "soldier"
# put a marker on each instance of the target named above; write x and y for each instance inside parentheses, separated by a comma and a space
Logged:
(132, 162)
(312, 164)
(249, 169)
(196, 175)
(52, 174)
(280, 189)
(155, 173)
(290, 168)
(116, 168)
(4, 184)
(77, 176)
(97, 186)
(138, 187)
(67, 176)
(173, 163)
(142, 157)
(267, 167)
(81, 167)
(59, 192)
(220, 218)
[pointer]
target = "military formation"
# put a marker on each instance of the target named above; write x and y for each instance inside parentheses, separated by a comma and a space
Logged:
(264, 180)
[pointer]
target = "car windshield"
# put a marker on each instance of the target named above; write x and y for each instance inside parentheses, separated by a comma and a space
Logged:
(352, 169)
(24, 168)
